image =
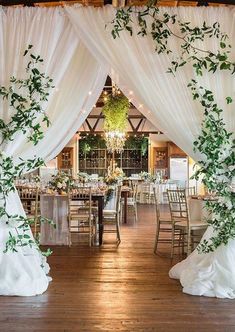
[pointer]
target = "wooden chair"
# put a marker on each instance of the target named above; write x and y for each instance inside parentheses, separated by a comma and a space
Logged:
(191, 191)
(181, 223)
(164, 225)
(112, 217)
(80, 213)
(145, 193)
(30, 198)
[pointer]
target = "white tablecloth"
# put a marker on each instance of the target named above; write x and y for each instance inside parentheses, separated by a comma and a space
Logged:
(54, 207)
(161, 189)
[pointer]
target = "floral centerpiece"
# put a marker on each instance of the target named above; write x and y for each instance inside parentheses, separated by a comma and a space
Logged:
(147, 176)
(61, 182)
(83, 177)
(113, 177)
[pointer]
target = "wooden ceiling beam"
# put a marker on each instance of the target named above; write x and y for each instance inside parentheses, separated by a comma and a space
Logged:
(171, 3)
(138, 126)
(130, 116)
(89, 126)
(97, 121)
(99, 132)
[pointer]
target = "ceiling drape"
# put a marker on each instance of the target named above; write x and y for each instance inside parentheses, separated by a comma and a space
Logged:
(141, 73)
(78, 80)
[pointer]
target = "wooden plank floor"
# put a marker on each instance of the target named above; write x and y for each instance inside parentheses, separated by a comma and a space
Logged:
(115, 289)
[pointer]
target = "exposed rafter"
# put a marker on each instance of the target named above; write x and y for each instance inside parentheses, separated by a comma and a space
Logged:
(136, 121)
(173, 3)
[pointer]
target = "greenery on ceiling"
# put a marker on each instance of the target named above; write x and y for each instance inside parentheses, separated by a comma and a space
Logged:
(215, 143)
(138, 143)
(89, 142)
(115, 112)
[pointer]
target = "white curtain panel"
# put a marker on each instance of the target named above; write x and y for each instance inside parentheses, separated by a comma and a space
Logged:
(79, 80)
(141, 73)
(167, 103)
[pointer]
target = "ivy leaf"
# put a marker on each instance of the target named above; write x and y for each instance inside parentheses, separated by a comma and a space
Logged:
(229, 100)
(222, 45)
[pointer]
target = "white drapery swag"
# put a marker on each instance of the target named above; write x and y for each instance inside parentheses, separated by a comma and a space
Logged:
(79, 80)
(167, 103)
(141, 73)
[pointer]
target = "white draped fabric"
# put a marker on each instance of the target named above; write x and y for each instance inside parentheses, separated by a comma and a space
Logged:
(79, 76)
(141, 73)
(79, 80)
(167, 103)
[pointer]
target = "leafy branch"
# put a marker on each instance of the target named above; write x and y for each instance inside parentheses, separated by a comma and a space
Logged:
(161, 27)
(28, 113)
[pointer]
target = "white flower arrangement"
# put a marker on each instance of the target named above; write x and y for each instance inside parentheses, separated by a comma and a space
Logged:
(61, 182)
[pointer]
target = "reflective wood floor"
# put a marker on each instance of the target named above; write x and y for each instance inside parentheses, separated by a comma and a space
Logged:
(110, 289)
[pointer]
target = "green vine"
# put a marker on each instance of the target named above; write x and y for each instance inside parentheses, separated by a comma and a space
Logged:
(162, 27)
(137, 143)
(215, 144)
(88, 143)
(25, 98)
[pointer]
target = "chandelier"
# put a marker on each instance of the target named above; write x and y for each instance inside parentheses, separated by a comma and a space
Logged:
(115, 141)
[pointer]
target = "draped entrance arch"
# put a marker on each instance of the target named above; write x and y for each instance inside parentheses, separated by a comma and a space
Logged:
(81, 54)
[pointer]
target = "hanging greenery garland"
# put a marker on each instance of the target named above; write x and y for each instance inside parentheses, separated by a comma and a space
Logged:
(214, 143)
(115, 111)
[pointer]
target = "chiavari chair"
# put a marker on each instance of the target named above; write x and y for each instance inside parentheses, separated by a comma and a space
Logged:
(163, 225)
(30, 198)
(112, 217)
(80, 217)
(181, 222)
